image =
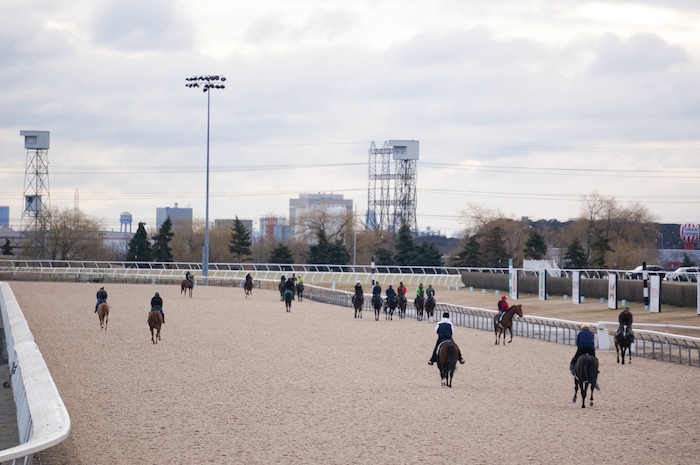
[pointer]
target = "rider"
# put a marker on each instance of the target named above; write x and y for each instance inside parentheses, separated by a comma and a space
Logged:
(625, 319)
(289, 285)
(248, 277)
(585, 342)
(430, 292)
(502, 308)
(300, 280)
(401, 290)
(157, 304)
(283, 281)
(101, 297)
(444, 331)
(294, 279)
(377, 289)
(390, 294)
(189, 277)
(358, 291)
(420, 291)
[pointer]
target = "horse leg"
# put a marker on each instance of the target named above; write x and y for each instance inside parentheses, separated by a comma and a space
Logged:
(152, 336)
(583, 394)
(592, 389)
(575, 390)
(629, 352)
(510, 330)
(617, 352)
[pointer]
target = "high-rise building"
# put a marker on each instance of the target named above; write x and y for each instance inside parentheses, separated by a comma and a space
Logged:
(275, 228)
(177, 215)
(332, 209)
(5, 216)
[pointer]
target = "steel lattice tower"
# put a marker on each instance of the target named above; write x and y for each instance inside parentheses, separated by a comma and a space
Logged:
(391, 196)
(36, 215)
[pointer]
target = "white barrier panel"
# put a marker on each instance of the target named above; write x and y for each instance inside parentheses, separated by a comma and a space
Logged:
(42, 419)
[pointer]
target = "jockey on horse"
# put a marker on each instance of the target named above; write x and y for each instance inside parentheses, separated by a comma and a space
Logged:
(359, 293)
(189, 277)
(625, 319)
(585, 343)
(157, 304)
(101, 297)
(502, 308)
(444, 332)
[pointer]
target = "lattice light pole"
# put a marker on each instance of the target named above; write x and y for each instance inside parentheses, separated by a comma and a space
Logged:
(36, 215)
(206, 83)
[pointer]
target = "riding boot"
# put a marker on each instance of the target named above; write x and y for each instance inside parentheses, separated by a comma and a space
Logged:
(432, 359)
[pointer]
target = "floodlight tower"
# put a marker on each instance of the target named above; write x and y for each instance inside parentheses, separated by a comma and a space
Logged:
(36, 215)
(392, 197)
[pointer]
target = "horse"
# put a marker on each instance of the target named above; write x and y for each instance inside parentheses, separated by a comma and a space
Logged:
(282, 289)
(506, 323)
(155, 320)
(430, 304)
(585, 375)
(358, 302)
(288, 297)
(420, 304)
(391, 304)
(402, 302)
(185, 285)
(623, 341)
(248, 287)
(377, 304)
(103, 313)
(300, 291)
(447, 356)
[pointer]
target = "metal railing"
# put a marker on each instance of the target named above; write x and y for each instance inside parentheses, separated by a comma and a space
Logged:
(42, 418)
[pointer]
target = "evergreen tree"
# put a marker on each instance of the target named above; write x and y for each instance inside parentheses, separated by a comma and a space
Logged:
(575, 256)
(599, 248)
(240, 241)
(7, 248)
(470, 254)
(161, 242)
(406, 249)
(384, 256)
(535, 246)
(281, 254)
(494, 253)
(687, 261)
(319, 253)
(428, 254)
(139, 247)
(338, 254)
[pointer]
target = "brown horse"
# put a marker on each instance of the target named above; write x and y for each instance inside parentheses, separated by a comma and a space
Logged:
(447, 356)
(184, 286)
(155, 320)
(506, 323)
(357, 302)
(377, 303)
(103, 313)
(585, 375)
(623, 342)
(420, 305)
(300, 291)
(248, 287)
(430, 305)
(402, 302)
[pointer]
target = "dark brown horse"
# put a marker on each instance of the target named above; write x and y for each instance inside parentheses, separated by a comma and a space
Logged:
(420, 305)
(506, 323)
(585, 375)
(430, 305)
(103, 314)
(391, 305)
(402, 303)
(447, 356)
(248, 287)
(155, 320)
(623, 342)
(358, 302)
(377, 304)
(184, 286)
(300, 291)
(288, 297)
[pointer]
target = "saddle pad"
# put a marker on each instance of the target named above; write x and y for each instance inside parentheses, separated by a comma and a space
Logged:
(437, 351)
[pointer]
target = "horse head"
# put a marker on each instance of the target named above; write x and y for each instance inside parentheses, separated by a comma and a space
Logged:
(518, 309)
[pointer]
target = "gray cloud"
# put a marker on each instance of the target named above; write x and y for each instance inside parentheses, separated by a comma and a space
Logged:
(641, 53)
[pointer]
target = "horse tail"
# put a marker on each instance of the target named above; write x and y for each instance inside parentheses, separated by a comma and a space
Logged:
(452, 356)
(591, 370)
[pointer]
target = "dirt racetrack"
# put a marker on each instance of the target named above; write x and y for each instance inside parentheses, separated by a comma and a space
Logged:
(238, 381)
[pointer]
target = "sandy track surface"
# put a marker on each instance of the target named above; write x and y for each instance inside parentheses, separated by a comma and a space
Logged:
(236, 381)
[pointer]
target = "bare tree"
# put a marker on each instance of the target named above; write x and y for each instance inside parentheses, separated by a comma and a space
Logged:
(75, 236)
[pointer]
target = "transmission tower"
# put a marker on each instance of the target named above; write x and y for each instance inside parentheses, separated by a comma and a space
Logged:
(392, 197)
(36, 215)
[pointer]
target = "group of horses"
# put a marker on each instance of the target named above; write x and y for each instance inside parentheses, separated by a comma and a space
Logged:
(391, 304)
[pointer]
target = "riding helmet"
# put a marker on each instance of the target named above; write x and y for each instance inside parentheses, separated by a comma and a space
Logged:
(585, 326)
(445, 315)
(157, 294)
(504, 296)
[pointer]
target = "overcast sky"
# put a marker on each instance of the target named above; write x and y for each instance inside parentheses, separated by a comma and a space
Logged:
(523, 106)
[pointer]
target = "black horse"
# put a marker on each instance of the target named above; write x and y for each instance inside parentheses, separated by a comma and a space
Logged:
(623, 342)
(585, 375)
(391, 303)
(288, 297)
(377, 304)
(447, 356)
(300, 291)
(402, 302)
(420, 305)
(358, 301)
(430, 305)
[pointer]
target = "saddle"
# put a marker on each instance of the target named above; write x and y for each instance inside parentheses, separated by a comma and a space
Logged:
(437, 350)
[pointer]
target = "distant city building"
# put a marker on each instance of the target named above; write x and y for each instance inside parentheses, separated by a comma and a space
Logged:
(228, 224)
(336, 209)
(429, 232)
(178, 216)
(5, 216)
(275, 228)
